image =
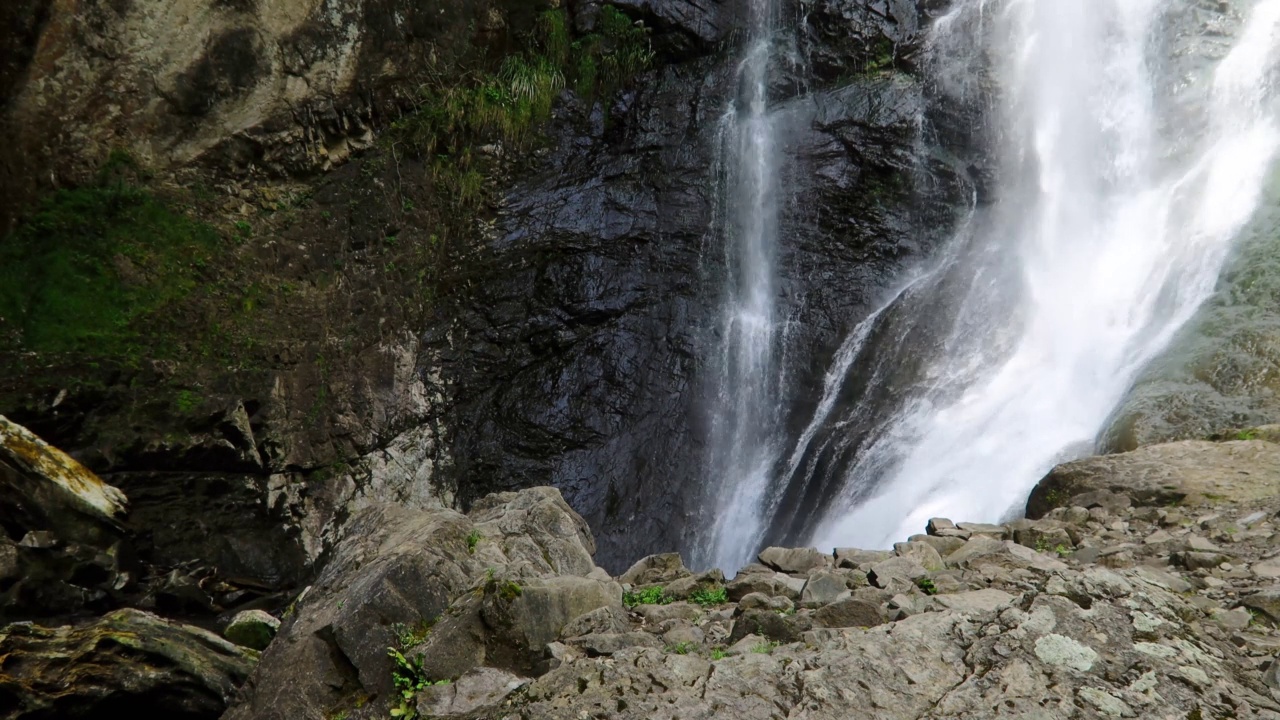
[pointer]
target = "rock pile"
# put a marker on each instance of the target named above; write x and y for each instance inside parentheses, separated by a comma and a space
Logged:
(1159, 605)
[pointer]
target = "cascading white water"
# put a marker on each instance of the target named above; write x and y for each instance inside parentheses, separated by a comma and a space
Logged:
(1113, 221)
(744, 439)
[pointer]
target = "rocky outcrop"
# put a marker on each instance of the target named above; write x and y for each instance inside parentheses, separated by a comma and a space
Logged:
(520, 562)
(1116, 603)
(42, 489)
(127, 663)
(1192, 472)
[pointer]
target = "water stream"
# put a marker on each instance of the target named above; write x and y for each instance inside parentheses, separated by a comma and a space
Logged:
(1121, 191)
(1123, 178)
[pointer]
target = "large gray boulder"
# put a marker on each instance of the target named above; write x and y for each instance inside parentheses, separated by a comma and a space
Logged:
(397, 571)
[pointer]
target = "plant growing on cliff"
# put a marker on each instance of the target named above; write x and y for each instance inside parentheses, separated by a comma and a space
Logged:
(473, 539)
(409, 679)
(926, 586)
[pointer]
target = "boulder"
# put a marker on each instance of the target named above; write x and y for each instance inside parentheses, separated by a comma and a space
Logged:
(398, 568)
(793, 560)
(252, 629)
(476, 691)
(904, 568)
(922, 552)
(769, 584)
(1190, 472)
(848, 613)
(44, 489)
(853, 558)
(823, 588)
(126, 659)
(771, 625)
(655, 569)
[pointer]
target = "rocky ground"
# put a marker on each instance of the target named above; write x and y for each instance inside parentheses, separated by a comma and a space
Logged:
(1145, 584)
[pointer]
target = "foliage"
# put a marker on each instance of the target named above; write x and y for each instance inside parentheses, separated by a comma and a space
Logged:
(510, 101)
(683, 648)
(186, 401)
(709, 596)
(718, 654)
(1250, 434)
(649, 596)
(926, 586)
(765, 648)
(473, 539)
(93, 265)
(409, 679)
(408, 636)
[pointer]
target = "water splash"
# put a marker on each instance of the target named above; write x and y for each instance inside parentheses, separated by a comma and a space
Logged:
(1110, 231)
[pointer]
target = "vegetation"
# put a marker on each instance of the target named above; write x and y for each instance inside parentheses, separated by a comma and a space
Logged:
(95, 267)
(411, 635)
(473, 539)
(926, 586)
(765, 648)
(409, 679)
(510, 102)
(1250, 434)
(649, 596)
(709, 596)
(718, 654)
(683, 648)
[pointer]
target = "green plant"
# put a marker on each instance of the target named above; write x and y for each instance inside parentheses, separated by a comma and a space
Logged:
(411, 635)
(718, 654)
(765, 648)
(509, 590)
(1062, 550)
(926, 586)
(409, 679)
(1250, 434)
(473, 539)
(244, 229)
(186, 401)
(709, 596)
(683, 648)
(648, 596)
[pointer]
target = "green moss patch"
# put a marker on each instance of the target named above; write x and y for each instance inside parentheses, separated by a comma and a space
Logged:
(92, 266)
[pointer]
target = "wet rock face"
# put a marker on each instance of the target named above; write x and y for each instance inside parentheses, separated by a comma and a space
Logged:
(583, 356)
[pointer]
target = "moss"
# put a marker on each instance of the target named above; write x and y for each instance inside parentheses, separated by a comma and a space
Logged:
(93, 266)
(513, 98)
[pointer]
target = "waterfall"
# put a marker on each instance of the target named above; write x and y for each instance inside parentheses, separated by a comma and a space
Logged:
(1122, 182)
(744, 438)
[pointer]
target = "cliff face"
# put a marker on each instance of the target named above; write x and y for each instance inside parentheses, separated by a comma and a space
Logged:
(260, 89)
(315, 280)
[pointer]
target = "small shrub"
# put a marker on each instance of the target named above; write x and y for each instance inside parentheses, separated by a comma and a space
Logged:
(409, 679)
(926, 586)
(649, 596)
(718, 654)
(765, 648)
(683, 648)
(1250, 434)
(473, 539)
(709, 596)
